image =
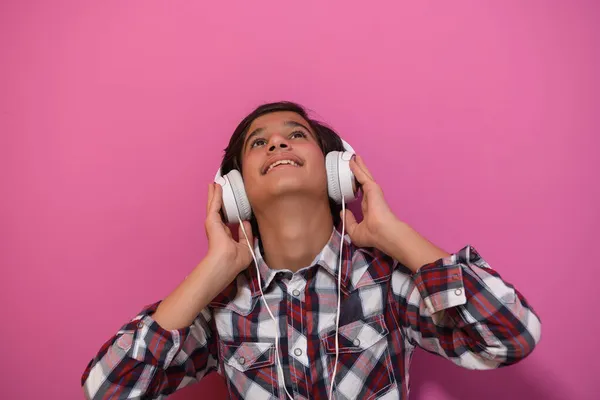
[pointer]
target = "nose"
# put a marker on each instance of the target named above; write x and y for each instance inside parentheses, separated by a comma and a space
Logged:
(277, 141)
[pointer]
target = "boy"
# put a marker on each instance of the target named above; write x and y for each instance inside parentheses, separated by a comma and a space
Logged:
(302, 304)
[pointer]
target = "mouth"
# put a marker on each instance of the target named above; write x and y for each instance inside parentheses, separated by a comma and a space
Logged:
(281, 163)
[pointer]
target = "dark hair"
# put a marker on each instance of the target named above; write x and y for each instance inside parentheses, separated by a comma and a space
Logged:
(327, 139)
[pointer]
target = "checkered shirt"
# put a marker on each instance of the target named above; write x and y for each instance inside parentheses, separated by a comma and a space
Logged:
(457, 307)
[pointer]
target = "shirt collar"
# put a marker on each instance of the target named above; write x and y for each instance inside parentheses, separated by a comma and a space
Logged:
(328, 258)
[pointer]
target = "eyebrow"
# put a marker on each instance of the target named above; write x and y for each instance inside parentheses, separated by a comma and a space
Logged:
(286, 123)
(296, 124)
(250, 136)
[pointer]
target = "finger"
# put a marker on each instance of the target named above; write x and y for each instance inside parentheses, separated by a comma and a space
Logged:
(217, 201)
(228, 231)
(350, 222)
(211, 190)
(358, 172)
(245, 226)
(363, 166)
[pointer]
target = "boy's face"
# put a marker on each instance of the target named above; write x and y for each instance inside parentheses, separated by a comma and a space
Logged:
(281, 156)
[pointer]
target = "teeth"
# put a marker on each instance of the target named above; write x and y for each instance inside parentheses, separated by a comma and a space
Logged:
(280, 162)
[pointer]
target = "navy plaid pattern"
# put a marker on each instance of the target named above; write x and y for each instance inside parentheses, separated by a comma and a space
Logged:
(457, 307)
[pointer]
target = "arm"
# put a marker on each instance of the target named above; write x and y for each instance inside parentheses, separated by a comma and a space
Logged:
(452, 305)
(460, 308)
(406, 245)
(172, 343)
(169, 345)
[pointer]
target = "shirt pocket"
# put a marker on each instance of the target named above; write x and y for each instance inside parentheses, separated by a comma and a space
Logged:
(364, 367)
(250, 368)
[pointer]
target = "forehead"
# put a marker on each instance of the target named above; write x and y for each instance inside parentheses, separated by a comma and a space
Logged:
(276, 120)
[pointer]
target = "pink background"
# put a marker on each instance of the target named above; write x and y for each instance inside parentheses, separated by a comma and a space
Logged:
(477, 118)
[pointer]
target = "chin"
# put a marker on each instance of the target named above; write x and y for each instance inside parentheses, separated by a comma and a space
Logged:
(282, 183)
(286, 185)
(297, 186)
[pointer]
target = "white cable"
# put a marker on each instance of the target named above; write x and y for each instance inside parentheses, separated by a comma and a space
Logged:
(262, 295)
(337, 317)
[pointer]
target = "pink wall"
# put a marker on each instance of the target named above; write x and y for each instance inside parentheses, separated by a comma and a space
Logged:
(113, 117)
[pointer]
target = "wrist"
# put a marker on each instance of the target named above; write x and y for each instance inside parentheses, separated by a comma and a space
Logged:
(390, 237)
(179, 309)
(401, 242)
(217, 269)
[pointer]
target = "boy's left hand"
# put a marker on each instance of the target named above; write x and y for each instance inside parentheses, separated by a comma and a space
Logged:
(376, 212)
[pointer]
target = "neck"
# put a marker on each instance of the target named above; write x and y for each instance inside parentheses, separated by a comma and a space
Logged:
(293, 231)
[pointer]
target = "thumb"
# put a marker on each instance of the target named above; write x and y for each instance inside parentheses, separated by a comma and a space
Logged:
(247, 228)
(350, 222)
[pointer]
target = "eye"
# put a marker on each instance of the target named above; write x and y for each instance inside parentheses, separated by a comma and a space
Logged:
(258, 142)
(298, 135)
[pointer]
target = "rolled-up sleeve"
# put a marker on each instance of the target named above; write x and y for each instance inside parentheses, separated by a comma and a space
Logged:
(143, 360)
(460, 308)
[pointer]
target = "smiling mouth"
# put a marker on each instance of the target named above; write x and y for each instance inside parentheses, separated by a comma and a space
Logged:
(282, 162)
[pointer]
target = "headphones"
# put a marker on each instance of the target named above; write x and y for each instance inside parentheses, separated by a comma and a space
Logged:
(341, 185)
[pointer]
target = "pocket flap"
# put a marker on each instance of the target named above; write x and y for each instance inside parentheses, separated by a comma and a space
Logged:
(356, 336)
(248, 355)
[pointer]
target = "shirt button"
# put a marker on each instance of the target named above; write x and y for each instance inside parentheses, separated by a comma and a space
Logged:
(140, 325)
(458, 292)
(296, 292)
(242, 360)
(298, 352)
(356, 342)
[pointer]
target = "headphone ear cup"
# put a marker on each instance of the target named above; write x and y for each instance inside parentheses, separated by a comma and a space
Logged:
(340, 179)
(235, 201)
(333, 181)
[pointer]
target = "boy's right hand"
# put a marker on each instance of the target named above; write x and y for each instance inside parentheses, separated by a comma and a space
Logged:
(225, 259)
(222, 248)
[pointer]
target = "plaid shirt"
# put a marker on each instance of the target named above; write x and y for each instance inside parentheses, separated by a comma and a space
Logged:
(457, 307)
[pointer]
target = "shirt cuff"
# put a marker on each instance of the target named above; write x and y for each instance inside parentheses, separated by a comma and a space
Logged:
(153, 344)
(440, 283)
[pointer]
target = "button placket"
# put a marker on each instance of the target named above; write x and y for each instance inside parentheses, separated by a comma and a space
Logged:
(296, 286)
(297, 340)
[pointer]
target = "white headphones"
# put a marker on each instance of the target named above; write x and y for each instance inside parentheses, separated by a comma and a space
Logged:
(340, 185)
(342, 188)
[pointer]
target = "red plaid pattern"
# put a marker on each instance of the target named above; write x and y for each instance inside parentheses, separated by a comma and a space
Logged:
(457, 307)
